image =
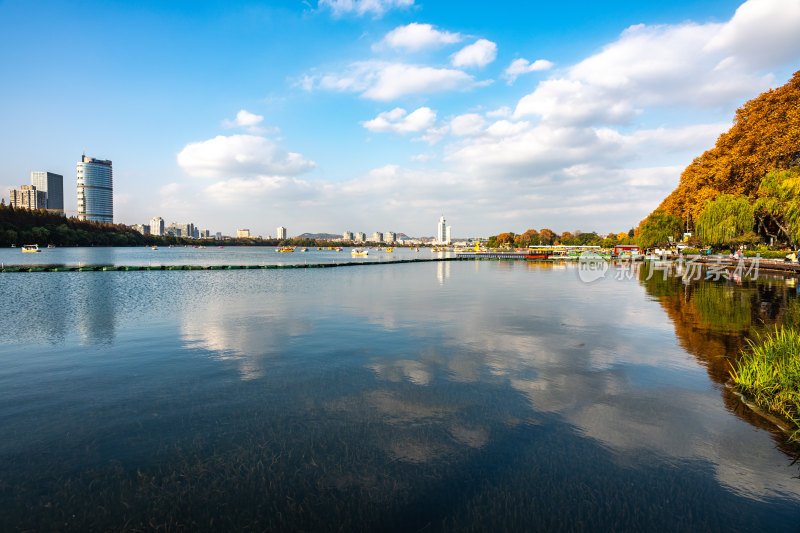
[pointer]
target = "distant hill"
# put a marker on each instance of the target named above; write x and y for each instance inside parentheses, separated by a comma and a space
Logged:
(765, 136)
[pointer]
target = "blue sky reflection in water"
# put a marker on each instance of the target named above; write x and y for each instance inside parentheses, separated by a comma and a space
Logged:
(456, 396)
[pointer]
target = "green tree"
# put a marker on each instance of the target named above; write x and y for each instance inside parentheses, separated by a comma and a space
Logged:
(658, 228)
(724, 219)
(779, 205)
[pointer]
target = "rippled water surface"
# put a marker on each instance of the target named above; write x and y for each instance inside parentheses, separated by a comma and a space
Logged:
(439, 396)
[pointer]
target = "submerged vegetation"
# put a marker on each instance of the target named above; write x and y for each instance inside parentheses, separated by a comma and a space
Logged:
(768, 373)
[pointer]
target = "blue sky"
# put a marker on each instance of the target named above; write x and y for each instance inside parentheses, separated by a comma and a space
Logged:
(382, 115)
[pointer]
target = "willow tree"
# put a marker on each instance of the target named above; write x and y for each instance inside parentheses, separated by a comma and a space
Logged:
(724, 219)
(779, 204)
(659, 227)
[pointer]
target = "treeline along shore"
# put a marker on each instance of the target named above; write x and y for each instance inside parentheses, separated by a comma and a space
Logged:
(20, 226)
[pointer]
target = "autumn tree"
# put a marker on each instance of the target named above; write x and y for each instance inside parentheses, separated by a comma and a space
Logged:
(547, 236)
(765, 136)
(505, 238)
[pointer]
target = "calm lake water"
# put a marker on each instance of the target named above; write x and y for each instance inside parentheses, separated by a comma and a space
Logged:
(456, 396)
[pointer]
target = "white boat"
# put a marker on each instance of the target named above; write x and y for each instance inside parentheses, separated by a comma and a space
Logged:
(356, 251)
(30, 248)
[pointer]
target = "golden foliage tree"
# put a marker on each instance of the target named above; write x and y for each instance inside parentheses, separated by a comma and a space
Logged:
(765, 136)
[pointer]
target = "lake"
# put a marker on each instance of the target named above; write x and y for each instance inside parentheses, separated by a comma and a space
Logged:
(442, 396)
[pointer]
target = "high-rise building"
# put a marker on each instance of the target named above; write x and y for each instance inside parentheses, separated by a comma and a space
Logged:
(377, 237)
(27, 196)
(53, 185)
(157, 226)
(441, 230)
(182, 230)
(95, 190)
(242, 233)
(144, 229)
(447, 236)
(281, 233)
(390, 236)
(347, 236)
(361, 237)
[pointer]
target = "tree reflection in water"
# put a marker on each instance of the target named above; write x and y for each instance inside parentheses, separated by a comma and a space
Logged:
(714, 319)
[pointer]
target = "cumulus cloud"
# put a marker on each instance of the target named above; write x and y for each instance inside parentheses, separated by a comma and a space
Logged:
(399, 121)
(414, 37)
(478, 54)
(240, 155)
(249, 122)
(523, 66)
(383, 81)
(467, 124)
(375, 8)
(694, 65)
(762, 33)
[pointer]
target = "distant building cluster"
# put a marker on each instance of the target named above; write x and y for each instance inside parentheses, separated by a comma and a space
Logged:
(95, 193)
(46, 191)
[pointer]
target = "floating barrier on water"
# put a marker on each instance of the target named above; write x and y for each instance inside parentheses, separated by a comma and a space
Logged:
(132, 268)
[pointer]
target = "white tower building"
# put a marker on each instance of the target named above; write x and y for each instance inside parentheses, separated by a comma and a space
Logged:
(441, 230)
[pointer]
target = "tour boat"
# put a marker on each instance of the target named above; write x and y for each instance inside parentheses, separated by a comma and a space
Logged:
(30, 248)
(359, 252)
(286, 249)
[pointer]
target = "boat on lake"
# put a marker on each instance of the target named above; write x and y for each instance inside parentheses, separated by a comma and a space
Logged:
(285, 249)
(30, 248)
(356, 251)
(50, 246)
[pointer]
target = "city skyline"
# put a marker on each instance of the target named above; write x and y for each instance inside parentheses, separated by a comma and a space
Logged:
(386, 113)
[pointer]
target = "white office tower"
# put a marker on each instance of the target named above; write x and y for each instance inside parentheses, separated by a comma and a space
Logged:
(347, 236)
(441, 231)
(95, 190)
(281, 233)
(157, 226)
(361, 237)
(447, 236)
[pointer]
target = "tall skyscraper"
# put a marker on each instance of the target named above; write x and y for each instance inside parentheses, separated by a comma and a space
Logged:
(447, 237)
(53, 185)
(157, 226)
(281, 233)
(377, 237)
(347, 236)
(95, 190)
(441, 231)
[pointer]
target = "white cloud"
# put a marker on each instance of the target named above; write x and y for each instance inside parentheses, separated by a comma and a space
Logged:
(240, 155)
(414, 37)
(249, 122)
(762, 33)
(399, 121)
(383, 81)
(693, 65)
(375, 8)
(169, 189)
(502, 112)
(523, 66)
(478, 54)
(467, 124)
(574, 102)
